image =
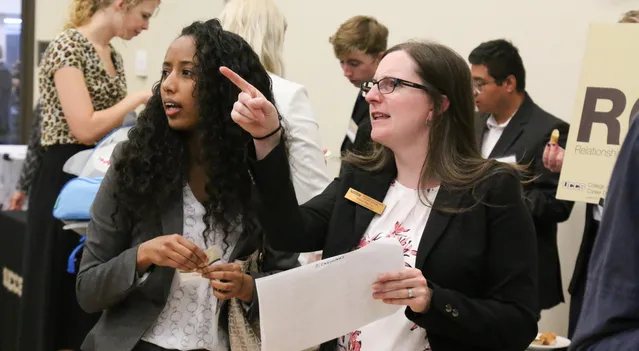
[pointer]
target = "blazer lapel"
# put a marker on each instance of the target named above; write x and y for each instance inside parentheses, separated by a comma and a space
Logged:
(375, 187)
(360, 110)
(248, 242)
(437, 223)
(511, 133)
(480, 129)
(514, 129)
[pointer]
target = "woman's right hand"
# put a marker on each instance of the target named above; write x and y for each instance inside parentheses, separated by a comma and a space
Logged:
(170, 251)
(254, 113)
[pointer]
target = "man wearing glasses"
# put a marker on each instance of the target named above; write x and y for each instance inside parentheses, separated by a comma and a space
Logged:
(510, 127)
(359, 44)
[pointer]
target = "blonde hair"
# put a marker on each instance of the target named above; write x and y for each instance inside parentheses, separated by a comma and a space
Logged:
(630, 17)
(81, 11)
(361, 33)
(262, 25)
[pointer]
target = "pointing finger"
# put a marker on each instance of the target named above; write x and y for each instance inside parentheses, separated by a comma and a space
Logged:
(238, 81)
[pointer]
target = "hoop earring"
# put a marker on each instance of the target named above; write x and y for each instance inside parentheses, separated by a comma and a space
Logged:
(429, 123)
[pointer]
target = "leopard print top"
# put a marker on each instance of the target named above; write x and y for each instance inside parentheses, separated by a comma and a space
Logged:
(72, 49)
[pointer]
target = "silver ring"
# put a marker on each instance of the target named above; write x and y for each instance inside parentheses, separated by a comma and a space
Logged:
(410, 293)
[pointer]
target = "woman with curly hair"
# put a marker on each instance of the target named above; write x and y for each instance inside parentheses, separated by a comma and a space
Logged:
(178, 187)
(83, 97)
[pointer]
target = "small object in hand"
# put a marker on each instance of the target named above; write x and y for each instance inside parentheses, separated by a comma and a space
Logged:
(554, 137)
(546, 339)
(213, 254)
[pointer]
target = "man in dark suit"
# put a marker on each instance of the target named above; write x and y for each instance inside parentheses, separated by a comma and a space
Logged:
(359, 44)
(510, 127)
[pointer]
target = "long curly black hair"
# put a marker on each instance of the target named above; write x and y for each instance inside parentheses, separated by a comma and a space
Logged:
(155, 160)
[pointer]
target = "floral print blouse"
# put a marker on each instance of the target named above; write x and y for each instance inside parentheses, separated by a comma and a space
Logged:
(403, 219)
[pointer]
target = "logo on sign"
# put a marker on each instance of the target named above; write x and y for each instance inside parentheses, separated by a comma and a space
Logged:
(12, 281)
(574, 186)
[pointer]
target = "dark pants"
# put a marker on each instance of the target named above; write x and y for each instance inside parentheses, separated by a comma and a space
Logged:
(50, 317)
(579, 284)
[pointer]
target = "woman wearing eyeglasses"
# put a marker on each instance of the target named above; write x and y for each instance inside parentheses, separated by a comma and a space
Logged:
(470, 276)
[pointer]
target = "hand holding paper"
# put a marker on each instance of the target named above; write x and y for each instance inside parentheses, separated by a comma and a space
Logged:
(311, 304)
(170, 251)
(406, 287)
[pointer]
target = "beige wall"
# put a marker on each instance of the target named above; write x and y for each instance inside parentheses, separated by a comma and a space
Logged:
(549, 33)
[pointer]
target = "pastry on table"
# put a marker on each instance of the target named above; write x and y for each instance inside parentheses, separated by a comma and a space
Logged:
(545, 339)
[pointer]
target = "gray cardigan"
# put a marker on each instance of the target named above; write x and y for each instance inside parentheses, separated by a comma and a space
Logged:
(106, 279)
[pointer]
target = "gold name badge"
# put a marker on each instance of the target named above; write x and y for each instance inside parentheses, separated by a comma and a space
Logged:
(365, 201)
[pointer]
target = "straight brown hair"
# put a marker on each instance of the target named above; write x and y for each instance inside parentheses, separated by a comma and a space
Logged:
(363, 33)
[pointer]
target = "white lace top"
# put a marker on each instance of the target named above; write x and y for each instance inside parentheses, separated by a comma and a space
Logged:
(404, 218)
(189, 320)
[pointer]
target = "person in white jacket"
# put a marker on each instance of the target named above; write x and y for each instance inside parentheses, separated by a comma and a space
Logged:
(263, 26)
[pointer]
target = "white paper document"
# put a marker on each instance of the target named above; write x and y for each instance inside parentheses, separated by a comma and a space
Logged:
(308, 305)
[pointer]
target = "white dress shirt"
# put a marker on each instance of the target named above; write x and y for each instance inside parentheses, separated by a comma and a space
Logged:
(492, 135)
(597, 212)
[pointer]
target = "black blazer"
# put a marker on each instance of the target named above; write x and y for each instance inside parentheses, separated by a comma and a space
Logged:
(481, 264)
(526, 137)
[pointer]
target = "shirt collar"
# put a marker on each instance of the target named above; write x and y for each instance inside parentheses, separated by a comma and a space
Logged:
(492, 123)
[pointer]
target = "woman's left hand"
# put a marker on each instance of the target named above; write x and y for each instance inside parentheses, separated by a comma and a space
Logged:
(228, 281)
(407, 287)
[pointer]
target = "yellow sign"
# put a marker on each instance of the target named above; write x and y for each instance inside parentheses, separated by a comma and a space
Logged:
(365, 201)
(607, 97)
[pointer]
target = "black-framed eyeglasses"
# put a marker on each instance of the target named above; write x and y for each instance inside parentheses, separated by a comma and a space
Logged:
(387, 85)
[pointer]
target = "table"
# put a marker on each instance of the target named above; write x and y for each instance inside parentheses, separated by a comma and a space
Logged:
(13, 229)
(11, 160)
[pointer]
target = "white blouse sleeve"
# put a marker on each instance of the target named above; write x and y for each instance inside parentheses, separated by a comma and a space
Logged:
(308, 168)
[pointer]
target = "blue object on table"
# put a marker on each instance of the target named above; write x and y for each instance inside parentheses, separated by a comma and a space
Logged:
(75, 198)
